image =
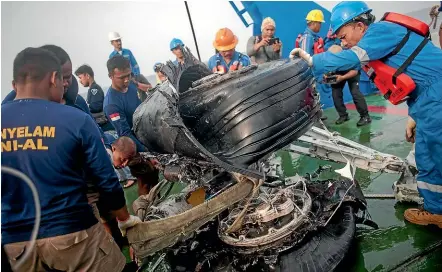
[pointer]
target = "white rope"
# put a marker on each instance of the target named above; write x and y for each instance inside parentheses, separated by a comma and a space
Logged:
(34, 233)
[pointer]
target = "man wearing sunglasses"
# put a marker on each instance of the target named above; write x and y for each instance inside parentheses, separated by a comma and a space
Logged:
(122, 99)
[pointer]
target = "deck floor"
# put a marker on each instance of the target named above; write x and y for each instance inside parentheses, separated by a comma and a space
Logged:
(395, 240)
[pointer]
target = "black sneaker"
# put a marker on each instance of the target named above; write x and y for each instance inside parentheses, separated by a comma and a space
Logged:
(364, 121)
(342, 120)
(323, 117)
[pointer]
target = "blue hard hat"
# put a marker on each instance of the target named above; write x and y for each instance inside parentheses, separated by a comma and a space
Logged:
(346, 11)
(157, 66)
(175, 42)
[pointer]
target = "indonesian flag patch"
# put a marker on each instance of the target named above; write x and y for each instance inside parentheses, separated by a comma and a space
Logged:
(115, 116)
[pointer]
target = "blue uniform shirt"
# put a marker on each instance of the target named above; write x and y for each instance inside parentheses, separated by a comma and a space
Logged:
(243, 59)
(119, 108)
(128, 54)
(95, 98)
(80, 104)
(308, 40)
(58, 148)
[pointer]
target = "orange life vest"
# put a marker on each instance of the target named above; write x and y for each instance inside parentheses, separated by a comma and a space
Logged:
(391, 82)
(318, 45)
(221, 69)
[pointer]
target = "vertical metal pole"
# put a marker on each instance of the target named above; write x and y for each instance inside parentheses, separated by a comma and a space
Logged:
(193, 31)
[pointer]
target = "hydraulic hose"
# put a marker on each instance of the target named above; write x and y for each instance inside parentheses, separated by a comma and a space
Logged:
(28, 181)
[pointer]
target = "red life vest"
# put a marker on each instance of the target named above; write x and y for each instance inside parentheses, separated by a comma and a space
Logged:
(393, 83)
(318, 45)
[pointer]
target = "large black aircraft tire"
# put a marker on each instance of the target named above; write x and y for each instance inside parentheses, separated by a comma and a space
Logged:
(324, 251)
(254, 113)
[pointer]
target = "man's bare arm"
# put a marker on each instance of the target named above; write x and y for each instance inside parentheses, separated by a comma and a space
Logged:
(350, 74)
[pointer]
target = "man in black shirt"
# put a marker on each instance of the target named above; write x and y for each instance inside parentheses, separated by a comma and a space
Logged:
(95, 96)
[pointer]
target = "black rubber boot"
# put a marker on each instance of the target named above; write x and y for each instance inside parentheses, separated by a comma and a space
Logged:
(364, 121)
(342, 119)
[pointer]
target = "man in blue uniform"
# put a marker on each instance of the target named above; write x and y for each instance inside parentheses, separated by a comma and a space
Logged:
(56, 147)
(176, 46)
(310, 41)
(122, 99)
(70, 96)
(353, 24)
(115, 40)
(95, 96)
(70, 85)
(227, 59)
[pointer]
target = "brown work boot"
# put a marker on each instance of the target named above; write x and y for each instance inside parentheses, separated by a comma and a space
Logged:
(422, 217)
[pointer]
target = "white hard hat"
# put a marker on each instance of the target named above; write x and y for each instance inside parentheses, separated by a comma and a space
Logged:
(113, 36)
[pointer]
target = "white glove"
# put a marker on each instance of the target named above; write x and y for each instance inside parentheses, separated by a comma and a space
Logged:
(129, 223)
(302, 54)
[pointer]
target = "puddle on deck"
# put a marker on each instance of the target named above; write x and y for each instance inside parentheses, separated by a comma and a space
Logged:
(395, 240)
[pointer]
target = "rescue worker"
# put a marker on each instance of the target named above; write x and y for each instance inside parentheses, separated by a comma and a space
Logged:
(95, 96)
(176, 46)
(122, 99)
(311, 42)
(160, 76)
(70, 96)
(123, 173)
(115, 40)
(227, 59)
(124, 154)
(352, 78)
(265, 47)
(56, 147)
(368, 41)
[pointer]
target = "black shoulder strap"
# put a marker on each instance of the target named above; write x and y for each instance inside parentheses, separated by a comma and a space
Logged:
(399, 46)
(410, 58)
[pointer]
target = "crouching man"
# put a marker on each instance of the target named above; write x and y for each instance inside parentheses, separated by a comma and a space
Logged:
(58, 148)
(124, 153)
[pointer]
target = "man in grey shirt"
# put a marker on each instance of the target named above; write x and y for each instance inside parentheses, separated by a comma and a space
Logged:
(266, 47)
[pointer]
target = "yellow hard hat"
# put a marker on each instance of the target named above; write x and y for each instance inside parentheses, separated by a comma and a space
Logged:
(315, 16)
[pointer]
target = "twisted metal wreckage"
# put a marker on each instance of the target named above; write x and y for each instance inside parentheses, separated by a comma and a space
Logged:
(217, 133)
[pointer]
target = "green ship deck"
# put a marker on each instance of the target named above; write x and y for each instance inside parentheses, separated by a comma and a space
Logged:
(395, 241)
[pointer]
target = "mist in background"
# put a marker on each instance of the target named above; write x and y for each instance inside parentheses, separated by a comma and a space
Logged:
(81, 28)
